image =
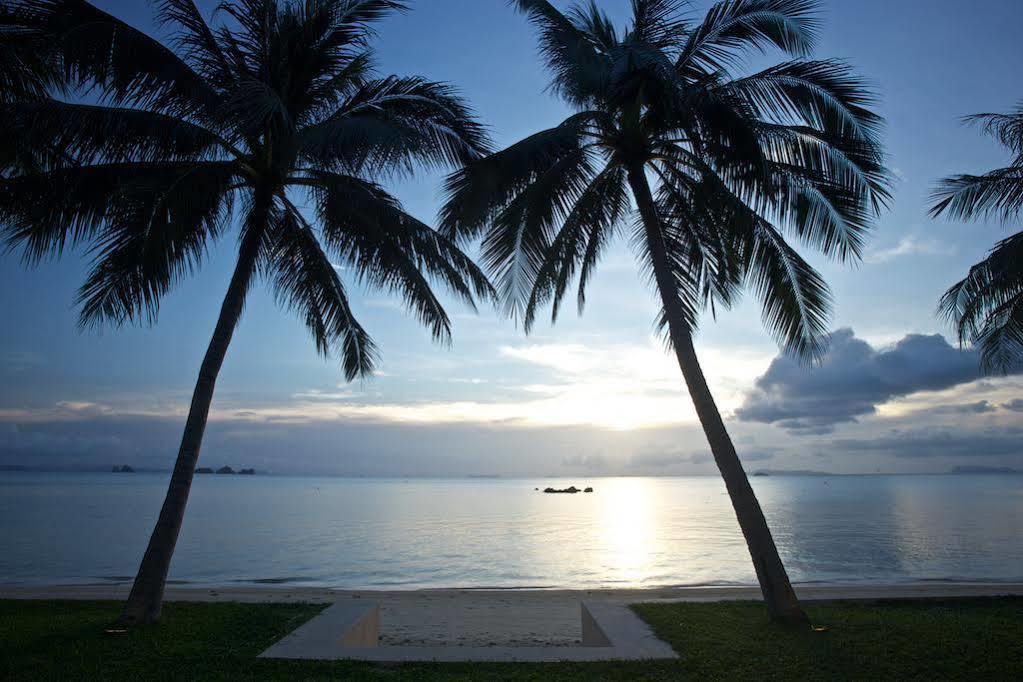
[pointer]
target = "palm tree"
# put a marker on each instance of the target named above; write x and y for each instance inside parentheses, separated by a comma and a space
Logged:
(987, 305)
(723, 170)
(236, 126)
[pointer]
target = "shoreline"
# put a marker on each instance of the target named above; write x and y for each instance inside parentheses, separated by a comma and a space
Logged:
(513, 618)
(285, 593)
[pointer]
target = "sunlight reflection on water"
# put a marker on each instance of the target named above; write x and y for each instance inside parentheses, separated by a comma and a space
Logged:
(631, 532)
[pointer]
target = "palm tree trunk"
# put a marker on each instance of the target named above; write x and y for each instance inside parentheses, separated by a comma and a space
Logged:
(146, 598)
(779, 596)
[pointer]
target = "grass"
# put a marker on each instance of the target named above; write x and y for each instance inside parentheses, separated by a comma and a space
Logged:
(974, 639)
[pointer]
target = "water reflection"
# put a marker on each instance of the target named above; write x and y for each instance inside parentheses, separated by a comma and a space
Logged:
(628, 529)
(502, 533)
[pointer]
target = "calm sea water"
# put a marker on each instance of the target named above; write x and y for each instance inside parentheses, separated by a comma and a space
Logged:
(632, 532)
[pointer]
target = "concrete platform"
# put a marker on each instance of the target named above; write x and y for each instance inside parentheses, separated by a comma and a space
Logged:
(350, 630)
(342, 626)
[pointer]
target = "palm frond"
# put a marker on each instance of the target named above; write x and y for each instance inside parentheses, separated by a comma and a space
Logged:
(96, 50)
(659, 23)
(391, 250)
(823, 94)
(796, 300)
(43, 213)
(27, 69)
(986, 306)
(514, 249)
(97, 134)
(732, 26)
(350, 22)
(196, 40)
(573, 48)
(997, 193)
(699, 235)
(476, 193)
(156, 232)
(394, 125)
(303, 278)
(1006, 128)
(588, 229)
(725, 242)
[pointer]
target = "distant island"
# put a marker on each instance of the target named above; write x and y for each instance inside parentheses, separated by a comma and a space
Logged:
(792, 472)
(225, 470)
(122, 469)
(981, 469)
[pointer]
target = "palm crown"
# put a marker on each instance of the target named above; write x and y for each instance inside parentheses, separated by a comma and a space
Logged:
(276, 108)
(987, 305)
(742, 163)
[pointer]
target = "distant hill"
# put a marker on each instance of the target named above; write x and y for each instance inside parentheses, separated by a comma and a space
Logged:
(980, 469)
(792, 472)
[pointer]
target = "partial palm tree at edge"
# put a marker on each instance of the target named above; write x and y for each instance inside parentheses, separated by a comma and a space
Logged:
(986, 306)
(277, 105)
(723, 170)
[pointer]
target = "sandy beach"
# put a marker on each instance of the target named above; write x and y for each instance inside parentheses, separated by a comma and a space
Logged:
(501, 617)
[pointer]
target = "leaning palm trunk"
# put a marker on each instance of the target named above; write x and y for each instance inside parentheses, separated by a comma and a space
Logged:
(779, 596)
(146, 599)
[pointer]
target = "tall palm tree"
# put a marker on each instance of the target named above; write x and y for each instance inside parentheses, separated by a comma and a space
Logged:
(237, 125)
(723, 170)
(987, 305)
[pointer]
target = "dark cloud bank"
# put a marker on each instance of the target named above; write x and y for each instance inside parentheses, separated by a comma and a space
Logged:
(342, 447)
(854, 378)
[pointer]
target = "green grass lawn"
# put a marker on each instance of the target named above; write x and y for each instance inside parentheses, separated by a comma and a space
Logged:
(974, 639)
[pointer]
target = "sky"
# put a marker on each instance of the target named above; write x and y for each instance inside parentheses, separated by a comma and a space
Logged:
(596, 394)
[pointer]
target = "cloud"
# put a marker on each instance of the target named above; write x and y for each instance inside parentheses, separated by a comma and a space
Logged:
(1015, 405)
(315, 395)
(593, 463)
(20, 361)
(938, 442)
(910, 245)
(979, 407)
(619, 387)
(343, 447)
(662, 461)
(854, 379)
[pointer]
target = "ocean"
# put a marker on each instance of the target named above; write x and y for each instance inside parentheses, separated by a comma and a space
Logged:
(354, 533)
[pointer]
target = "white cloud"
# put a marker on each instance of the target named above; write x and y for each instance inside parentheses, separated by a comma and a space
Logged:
(910, 245)
(315, 394)
(619, 387)
(614, 386)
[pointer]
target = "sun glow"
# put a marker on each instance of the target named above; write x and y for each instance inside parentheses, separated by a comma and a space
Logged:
(620, 387)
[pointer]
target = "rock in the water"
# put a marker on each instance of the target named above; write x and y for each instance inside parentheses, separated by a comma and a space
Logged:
(588, 490)
(225, 470)
(204, 470)
(570, 489)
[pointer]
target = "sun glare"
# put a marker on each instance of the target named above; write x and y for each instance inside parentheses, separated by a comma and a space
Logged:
(627, 525)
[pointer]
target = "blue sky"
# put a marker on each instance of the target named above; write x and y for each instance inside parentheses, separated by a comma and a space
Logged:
(593, 395)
